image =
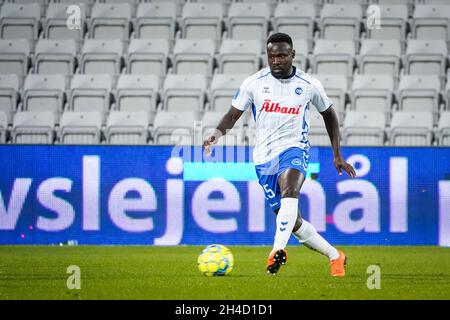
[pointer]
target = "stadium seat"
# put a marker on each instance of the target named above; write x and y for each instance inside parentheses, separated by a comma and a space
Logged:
(55, 57)
(90, 92)
(3, 127)
(373, 93)
(270, 2)
(55, 25)
(393, 22)
(380, 56)
(432, 1)
(178, 4)
(80, 127)
(33, 127)
(20, 21)
(110, 21)
(388, 2)
(364, 128)
(419, 93)
(430, 21)
(14, 57)
(409, 4)
(42, 4)
(210, 120)
(297, 20)
(318, 4)
(223, 88)
(340, 21)
(443, 129)
(447, 92)
(44, 93)
(127, 127)
(184, 92)
(318, 135)
(175, 128)
(426, 57)
(301, 54)
(137, 93)
(202, 21)
(248, 20)
(238, 56)
(335, 87)
(156, 20)
(359, 2)
(86, 3)
(9, 95)
(225, 3)
(101, 56)
(334, 57)
(193, 56)
(411, 129)
(132, 4)
(148, 56)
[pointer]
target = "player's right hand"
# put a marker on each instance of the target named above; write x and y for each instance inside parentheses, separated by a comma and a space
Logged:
(208, 143)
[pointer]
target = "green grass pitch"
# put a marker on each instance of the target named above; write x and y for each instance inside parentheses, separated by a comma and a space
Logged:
(170, 273)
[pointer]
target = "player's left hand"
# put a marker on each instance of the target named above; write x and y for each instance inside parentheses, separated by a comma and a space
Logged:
(340, 164)
(208, 143)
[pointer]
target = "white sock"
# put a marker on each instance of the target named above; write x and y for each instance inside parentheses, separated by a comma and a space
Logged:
(286, 217)
(309, 236)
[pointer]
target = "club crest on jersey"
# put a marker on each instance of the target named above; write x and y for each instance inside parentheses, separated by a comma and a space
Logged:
(269, 106)
(298, 91)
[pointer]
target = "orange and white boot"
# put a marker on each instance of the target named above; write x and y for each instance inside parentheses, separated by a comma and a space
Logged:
(338, 265)
(276, 260)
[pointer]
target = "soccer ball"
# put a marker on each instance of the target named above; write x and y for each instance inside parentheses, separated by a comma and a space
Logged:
(215, 260)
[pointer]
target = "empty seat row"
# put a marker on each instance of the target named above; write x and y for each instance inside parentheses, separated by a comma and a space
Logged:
(377, 93)
(192, 92)
(86, 93)
(210, 20)
(367, 128)
(132, 93)
(121, 127)
(98, 92)
(140, 57)
(145, 56)
(79, 128)
(190, 128)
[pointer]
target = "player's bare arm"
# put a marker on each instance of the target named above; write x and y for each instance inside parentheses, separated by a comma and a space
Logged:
(332, 125)
(226, 124)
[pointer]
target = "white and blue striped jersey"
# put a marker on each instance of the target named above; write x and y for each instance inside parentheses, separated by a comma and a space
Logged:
(280, 109)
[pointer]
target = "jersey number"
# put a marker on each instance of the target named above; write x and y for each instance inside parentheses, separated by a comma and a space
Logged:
(269, 192)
